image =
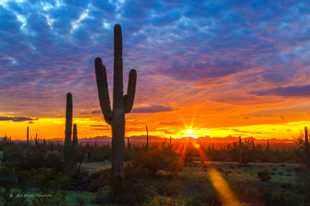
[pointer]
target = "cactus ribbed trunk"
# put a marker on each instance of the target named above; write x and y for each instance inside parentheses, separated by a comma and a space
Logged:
(68, 134)
(121, 104)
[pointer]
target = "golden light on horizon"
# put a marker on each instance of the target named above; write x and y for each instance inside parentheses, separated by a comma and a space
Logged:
(53, 127)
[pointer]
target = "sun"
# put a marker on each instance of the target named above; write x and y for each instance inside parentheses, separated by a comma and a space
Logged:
(189, 132)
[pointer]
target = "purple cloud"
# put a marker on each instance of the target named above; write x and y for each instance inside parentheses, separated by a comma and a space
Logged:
(290, 91)
(152, 109)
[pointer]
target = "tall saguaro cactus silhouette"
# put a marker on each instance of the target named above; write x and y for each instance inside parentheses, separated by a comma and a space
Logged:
(68, 133)
(121, 104)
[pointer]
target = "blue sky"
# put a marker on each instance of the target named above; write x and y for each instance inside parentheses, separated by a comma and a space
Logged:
(226, 53)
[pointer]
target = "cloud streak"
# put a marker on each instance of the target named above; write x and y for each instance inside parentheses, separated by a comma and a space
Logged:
(153, 109)
(289, 91)
(17, 119)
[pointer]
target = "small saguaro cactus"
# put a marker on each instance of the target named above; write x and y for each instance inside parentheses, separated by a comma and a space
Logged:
(241, 160)
(68, 134)
(122, 104)
(75, 140)
(147, 136)
(306, 144)
(27, 137)
(36, 140)
(128, 142)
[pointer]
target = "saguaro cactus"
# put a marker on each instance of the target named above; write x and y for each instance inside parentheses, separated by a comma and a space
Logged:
(27, 137)
(121, 104)
(147, 136)
(68, 133)
(307, 153)
(36, 140)
(75, 140)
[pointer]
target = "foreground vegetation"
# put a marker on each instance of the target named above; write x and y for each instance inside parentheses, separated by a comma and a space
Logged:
(33, 174)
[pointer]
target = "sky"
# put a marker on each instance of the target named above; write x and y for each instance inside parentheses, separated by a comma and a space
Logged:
(205, 68)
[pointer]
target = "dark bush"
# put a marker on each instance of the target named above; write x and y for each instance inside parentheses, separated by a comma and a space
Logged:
(264, 176)
(155, 161)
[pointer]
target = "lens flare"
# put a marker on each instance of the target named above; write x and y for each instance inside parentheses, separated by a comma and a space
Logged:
(226, 195)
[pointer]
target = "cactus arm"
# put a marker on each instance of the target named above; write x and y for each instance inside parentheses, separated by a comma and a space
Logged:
(131, 90)
(118, 102)
(103, 91)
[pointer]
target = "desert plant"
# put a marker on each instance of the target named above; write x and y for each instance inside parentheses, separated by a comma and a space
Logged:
(68, 133)
(154, 161)
(27, 135)
(306, 147)
(264, 176)
(75, 136)
(147, 136)
(121, 104)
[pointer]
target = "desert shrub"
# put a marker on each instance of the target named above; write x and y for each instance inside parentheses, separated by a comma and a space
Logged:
(96, 154)
(167, 201)
(44, 178)
(264, 176)
(280, 197)
(100, 179)
(137, 194)
(170, 188)
(155, 160)
(201, 199)
(53, 160)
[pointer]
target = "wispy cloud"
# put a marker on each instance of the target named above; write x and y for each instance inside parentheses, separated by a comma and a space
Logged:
(152, 109)
(293, 91)
(17, 119)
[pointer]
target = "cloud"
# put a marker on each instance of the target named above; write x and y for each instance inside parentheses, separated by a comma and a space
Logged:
(17, 119)
(289, 91)
(48, 48)
(152, 109)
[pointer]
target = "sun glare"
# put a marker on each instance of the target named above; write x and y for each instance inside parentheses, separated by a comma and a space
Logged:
(189, 132)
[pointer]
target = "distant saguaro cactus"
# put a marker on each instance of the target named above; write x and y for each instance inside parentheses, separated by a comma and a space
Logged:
(147, 136)
(306, 145)
(75, 140)
(241, 159)
(68, 134)
(27, 137)
(121, 104)
(36, 140)
(128, 142)
(306, 139)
